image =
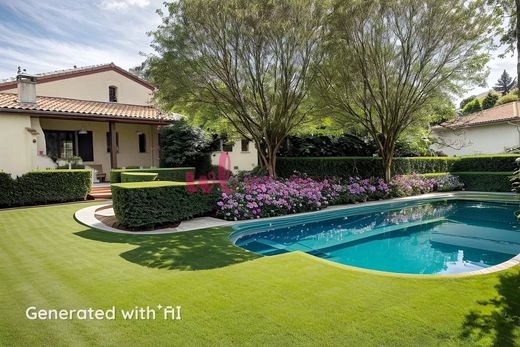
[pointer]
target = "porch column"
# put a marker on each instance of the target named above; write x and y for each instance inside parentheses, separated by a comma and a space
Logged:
(113, 144)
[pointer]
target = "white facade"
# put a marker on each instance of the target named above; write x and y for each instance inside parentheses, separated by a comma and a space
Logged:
(493, 138)
(94, 87)
(240, 158)
(23, 143)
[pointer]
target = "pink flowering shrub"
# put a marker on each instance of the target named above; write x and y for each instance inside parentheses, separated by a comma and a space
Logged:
(408, 185)
(259, 197)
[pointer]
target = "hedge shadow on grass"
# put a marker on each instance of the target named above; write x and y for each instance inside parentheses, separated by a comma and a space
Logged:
(186, 251)
(497, 321)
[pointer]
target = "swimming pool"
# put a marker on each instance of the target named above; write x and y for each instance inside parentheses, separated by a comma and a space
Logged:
(436, 236)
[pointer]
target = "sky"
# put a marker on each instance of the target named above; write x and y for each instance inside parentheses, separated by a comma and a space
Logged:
(48, 35)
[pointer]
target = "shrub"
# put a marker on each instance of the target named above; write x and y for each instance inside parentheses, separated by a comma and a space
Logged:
(373, 167)
(472, 106)
(44, 187)
(465, 101)
(183, 145)
(260, 197)
(138, 176)
(151, 204)
(490, 100)
(408, 185)
(163, 174)
(507, 99)
(448, 183)
(486, 181)
(497, 162)
(361, 166)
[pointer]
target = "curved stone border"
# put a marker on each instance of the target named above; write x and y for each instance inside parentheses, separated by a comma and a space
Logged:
(86, 216)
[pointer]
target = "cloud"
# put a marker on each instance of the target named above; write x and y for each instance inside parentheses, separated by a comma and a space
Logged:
(122, 4)
(52, 35)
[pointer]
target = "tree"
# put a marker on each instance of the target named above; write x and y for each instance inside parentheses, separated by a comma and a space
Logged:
(250, 62)
(465, 101)
(472, 107)
(490, 100)
(505, 84)
(183, 145)
(508, 12)
(389, 60)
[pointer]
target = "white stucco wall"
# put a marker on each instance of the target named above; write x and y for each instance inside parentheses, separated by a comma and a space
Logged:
(95, 87)
(474, 140)
(240, 161)
(17, 150)
(128, 154)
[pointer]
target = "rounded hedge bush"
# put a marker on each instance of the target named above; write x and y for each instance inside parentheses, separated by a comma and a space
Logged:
(138, 176)
(507, 99)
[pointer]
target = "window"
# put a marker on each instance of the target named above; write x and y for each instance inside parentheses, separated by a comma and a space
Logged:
(85, 146)
(60, 144)
(227, 146)
(142, 143)
(109, 142)
(244, 145)
(112, 94)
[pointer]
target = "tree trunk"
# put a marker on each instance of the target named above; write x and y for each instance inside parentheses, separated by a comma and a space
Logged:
(517, 44)
(387, 163)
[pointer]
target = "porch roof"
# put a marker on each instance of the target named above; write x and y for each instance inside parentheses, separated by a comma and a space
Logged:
(85, 109)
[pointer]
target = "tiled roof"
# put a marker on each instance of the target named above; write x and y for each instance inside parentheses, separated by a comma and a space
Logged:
(83, 108)
(502, 113)
(10, 83)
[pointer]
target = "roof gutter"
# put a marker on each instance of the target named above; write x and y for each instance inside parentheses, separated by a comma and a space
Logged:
(90, 117)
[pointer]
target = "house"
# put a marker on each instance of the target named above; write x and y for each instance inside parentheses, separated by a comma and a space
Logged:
(490, 131)
(243, 154)
(100, 113)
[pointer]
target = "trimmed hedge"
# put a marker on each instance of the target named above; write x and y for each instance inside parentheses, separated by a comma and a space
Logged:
(138, 176)
(484, 181)
(150, 204)
(373, 166)
(493, 163)
(44, 187)
(163, 174)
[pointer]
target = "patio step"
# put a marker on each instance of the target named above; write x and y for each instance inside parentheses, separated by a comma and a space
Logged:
(100, 193)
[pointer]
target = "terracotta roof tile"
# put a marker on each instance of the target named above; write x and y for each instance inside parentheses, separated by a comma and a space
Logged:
(53, 105)
(502, 113)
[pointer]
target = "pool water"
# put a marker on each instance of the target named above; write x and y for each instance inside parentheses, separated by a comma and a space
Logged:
(436, 237)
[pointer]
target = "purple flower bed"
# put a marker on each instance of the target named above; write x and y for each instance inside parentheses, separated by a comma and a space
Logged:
(259, 197)
(408, 185)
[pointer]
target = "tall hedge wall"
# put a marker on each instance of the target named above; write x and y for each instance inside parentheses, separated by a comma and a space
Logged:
(373, 166)
(163, 174)
(148, 204)
(44, 187)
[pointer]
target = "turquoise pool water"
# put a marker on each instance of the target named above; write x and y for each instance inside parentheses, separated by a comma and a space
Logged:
(435, 237)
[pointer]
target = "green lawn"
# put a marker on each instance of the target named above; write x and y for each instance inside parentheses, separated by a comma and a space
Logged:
(229, 296)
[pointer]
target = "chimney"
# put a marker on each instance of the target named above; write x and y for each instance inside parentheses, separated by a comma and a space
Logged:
(26, 88)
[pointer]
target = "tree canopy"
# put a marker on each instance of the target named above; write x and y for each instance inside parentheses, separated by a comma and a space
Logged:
(505, 84)
(248, 61)
(388, 61)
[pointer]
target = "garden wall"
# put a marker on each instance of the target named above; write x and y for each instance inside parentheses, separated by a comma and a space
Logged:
(44, 187)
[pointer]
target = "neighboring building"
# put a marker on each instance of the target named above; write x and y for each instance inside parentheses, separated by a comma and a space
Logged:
(243, 154)
(99, 113)
(491, 131)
